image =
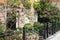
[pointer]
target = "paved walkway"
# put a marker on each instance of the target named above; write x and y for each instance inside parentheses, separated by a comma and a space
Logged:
(56, 36)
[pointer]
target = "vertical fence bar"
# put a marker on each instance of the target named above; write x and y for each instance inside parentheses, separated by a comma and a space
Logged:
(40, 34)
(55, 26)
(47, 29)
(24, 33)
(52, 28)
(44, 31)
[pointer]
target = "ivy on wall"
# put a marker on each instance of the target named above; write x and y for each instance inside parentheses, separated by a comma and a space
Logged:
(14, 2)
(27, 3)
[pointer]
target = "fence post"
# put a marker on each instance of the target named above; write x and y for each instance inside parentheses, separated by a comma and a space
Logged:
(44, 31)
(47, 29)
(52, 28)
(24, 33)
(55, 26)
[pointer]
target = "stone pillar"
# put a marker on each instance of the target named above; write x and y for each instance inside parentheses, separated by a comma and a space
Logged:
(21, 19)
(5, 13)
(16, 20)
(3, 19)
(32, 12)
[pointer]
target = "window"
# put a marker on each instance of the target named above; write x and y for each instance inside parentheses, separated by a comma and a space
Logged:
(36, 17)
(11, 21)
(26, 20)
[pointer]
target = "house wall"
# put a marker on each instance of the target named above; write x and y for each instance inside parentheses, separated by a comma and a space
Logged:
(31, 15)
(21, 20)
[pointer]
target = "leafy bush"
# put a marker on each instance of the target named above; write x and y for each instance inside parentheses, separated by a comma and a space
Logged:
(38, 26)
(19, 30)
(28, 27)
(2, 28)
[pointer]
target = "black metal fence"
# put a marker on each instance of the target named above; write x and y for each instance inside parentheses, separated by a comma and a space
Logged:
(48, 30)
(38, 33)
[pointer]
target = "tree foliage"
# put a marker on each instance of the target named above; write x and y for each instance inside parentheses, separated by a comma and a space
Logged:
(46, 10)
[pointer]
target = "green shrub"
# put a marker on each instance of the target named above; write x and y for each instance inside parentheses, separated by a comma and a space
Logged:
(19, 30)
(28, 27)
(38, 26)
(2, 28)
